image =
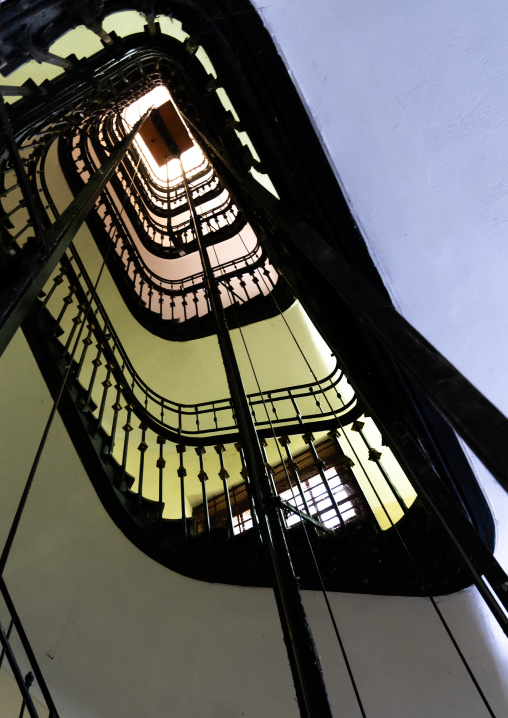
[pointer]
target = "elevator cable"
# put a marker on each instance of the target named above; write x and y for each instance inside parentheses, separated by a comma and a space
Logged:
(334, 623)
(406, 549)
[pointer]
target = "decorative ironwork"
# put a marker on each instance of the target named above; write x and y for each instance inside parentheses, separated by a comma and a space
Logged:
(306, 255)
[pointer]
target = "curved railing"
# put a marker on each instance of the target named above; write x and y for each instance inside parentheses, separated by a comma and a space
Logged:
(89, 410)
(186, 500)
(175, 302)
(148, 200)
(205, 422)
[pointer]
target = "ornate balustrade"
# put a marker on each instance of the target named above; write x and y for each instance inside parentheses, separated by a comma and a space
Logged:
(148, 199)
(165, 305)
(312, 405)
(174, 476)
(160, 480)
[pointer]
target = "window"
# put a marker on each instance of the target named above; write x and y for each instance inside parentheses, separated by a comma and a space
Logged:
(337, 478)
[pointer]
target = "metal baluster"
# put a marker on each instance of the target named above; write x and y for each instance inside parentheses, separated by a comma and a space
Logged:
(375, 456)
(320, 466)
(273, 405)
(56, 282)
(85, 404)
(106, 384)
(161, 464)
(200, 450)
(296, 408)
(143, 446)
(243, 285)
(345, 462)
(182, 473)
(245, 476)
(142, 285)
(87, 341)
(67, 301)
(223, 474)
(255, 280)
(318, 403)
(127, 427)
(77, 320)
(293, 467)
(207, 298)
(116, 408)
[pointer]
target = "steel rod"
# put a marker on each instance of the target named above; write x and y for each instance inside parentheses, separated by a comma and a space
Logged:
(303, 658)
(8, 635)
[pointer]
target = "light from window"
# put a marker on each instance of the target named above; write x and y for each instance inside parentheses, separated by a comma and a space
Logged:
(318, 501)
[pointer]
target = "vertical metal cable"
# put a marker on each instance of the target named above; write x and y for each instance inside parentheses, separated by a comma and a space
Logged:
(403, 543)
(334, 623)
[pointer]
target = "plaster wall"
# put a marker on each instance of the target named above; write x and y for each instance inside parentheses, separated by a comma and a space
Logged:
(410, 103)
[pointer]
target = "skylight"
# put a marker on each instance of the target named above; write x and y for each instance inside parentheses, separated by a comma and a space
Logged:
(170, 171)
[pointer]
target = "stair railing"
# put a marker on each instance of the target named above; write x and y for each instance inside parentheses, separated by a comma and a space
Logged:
(14, 635)
(27, 261)
(316, 404)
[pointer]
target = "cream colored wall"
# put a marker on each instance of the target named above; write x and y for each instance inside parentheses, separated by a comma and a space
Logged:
(10, 697)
